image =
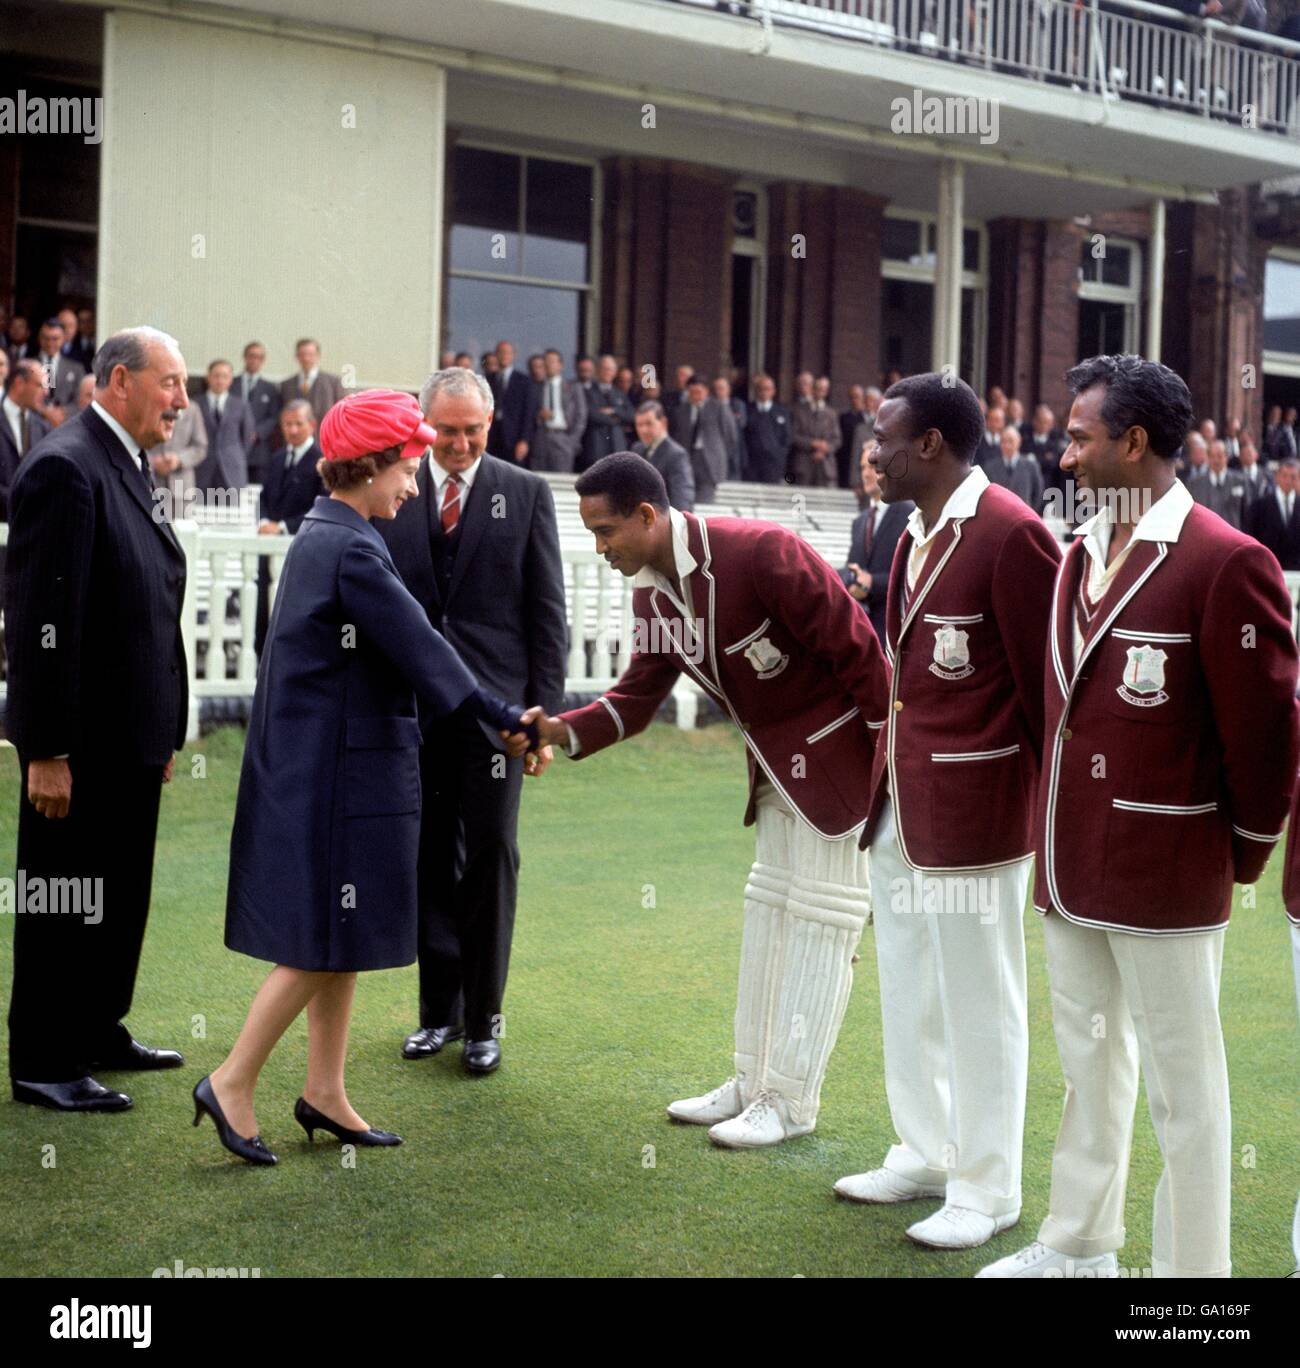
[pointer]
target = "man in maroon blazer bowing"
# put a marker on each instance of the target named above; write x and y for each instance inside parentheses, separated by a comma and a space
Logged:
(1169, 759)
(950, 820)
(757, 618)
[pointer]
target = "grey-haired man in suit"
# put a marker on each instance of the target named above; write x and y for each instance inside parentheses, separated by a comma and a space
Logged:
(1221, 490)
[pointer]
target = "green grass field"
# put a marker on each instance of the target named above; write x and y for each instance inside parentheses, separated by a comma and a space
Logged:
(563, 1163)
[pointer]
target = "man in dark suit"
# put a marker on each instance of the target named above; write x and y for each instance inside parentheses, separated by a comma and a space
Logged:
(990, 447)
(767, 434)
(263, 401)
(95, 568)
(1275, 519)
(1221, 490)
(1279, 437)
(850, 420)
(669, 458)
(1046, 443)
(75, 347)
(608, 414)
(511, 389)
(62, 373)
(1020, 474)
(480, 551)
(231, 432)
(875, 534)
(319, 388)
(289, 490)
(706, 430)
(22, 427)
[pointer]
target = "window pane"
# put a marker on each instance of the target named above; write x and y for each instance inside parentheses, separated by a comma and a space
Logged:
(558, 227)
(482, 312)
(1281, 305)
(1116, 265)
(485, 208)
(906, 317)
(900, 238)
(966, 362)
(970, 249)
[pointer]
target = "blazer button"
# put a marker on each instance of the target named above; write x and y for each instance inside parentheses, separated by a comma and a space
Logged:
(1067, 735)
(898, 705)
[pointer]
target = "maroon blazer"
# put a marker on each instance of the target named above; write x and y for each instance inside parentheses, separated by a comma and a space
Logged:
(784, 651)
(1291, 862)
(965, 733)
(1171, 746)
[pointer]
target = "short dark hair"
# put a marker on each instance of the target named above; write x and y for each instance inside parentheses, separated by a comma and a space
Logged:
(306, 342)
(25, 368)
(938, 399)
(626, 480)
(53, 322)
(698, 379)
(356, 471)
(1139, 393)
(651, 406)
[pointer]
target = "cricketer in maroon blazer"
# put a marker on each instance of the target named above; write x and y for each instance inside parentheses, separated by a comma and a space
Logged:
(962, 750)
(1171, 749)
(786, 653)
(1291, 862)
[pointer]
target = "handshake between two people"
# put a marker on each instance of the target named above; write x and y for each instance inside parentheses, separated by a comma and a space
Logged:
(534, 736)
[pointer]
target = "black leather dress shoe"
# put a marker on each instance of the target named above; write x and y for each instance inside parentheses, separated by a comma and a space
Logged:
(139, 1057)
(429, 1040)
(81, 1095)
(312, 1120)
(482, 1056)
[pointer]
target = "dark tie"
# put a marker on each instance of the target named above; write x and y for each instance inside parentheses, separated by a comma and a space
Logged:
(451, 504)
(146, 470)
(869, 535)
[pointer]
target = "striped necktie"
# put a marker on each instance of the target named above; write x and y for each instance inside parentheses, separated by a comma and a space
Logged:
(451, 504)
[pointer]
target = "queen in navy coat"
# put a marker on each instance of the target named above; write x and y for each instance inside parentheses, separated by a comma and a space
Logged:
(325, 845)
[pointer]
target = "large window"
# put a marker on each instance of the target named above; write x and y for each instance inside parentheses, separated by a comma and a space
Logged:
(521, 246)
(1281, 329)
(907, 313)
(1110, 290)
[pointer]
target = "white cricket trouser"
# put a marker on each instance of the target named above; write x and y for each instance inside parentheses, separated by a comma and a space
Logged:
(806, 901)
(951, 952)
(1117, 999)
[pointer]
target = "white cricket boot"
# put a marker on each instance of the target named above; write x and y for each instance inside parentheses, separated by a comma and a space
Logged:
(719, 1105)
(1041, 1261)
(766, 1121)
(955, 1227)
(884, 1185)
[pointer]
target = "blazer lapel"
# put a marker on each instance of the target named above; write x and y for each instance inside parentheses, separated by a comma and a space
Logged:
(943, 547)
(1141, 564)
(129, 473)
(473, 520)
(1062, 628)
(697, 539)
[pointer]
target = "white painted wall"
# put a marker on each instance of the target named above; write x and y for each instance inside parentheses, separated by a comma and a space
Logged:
(237, 204)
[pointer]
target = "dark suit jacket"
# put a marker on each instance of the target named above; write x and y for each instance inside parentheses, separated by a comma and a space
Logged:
(511, 420)
(767, 444)
(288, 499)
(1264, 523)
(326, 390)
(877, 561)
(92, 561)
(711, 444)
(11, 457)
(229, 442)
(672, 462)
(504, 608)
(66, 380)
(1025, 481)
(604, 433)
(1048, 455)
(264, 403)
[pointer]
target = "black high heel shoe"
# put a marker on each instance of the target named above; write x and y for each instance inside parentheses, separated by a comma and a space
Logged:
(312, 1120)
(252, 1150)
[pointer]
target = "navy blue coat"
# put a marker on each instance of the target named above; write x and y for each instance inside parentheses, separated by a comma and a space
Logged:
(327, 824)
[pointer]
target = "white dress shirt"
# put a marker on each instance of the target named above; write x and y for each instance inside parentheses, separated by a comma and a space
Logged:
(962, 503)
(14, 417)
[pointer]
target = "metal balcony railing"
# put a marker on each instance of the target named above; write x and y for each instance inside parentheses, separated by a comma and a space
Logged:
(1122, 49)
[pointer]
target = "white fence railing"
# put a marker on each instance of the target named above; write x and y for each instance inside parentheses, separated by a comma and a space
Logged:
(1126, 49)
(219, 615)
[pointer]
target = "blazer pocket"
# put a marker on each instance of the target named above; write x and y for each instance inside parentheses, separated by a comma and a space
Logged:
(381, 766)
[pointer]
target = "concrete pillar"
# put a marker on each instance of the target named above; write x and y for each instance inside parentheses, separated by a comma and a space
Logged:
(945, 344)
